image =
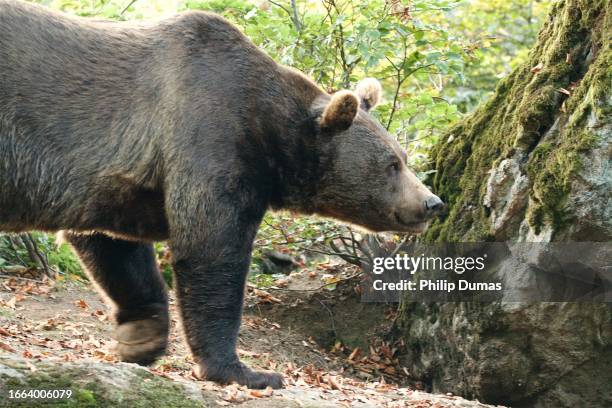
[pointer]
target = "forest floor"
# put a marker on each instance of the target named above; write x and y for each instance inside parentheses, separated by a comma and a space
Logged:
(67, 321)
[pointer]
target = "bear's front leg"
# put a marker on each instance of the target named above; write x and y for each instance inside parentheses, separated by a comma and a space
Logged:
(211, 249)
(210, 293)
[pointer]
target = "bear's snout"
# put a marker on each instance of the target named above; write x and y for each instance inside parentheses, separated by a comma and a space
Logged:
(433, 205)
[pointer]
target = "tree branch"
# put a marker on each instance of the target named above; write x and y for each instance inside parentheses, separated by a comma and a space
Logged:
(130, 4)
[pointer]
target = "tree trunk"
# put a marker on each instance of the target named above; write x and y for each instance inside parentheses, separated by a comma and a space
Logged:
(531, 165)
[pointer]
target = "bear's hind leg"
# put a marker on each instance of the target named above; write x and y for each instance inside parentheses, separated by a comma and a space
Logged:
(127, 273)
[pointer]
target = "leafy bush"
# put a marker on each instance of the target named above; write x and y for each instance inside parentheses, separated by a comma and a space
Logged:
(38, 250)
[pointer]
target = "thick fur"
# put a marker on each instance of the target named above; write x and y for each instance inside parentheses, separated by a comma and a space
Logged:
(369, 92)
(340, 111)
(178, 130)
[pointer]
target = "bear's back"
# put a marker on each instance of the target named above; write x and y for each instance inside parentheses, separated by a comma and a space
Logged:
(83, 103)
(55, 67)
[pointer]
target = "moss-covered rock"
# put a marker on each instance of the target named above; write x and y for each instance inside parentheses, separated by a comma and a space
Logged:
(531, 119)
(98, 384)
(93, 384)
(532, 164)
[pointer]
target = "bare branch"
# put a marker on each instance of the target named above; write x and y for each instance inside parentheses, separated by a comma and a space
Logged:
(292, 13)
(130, 4)
(296, 17)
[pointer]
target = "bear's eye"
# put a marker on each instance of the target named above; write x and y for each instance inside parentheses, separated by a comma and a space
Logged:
(393, 168)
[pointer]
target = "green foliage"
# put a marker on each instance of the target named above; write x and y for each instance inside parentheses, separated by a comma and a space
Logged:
(60, 258)
(164, 258)
(498, 34)
(9, 254)
(112, 9)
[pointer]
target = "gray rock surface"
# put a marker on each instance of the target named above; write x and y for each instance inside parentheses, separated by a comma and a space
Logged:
(99, 384)
(553, 186)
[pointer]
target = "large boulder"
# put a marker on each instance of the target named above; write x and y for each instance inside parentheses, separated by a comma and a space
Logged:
(531, 165)
(94, 384)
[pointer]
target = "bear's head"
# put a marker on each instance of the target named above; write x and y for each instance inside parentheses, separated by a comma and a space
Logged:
(367, 181)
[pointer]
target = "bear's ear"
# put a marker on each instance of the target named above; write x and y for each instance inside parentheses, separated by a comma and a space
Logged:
(369, 92)
(340, 111)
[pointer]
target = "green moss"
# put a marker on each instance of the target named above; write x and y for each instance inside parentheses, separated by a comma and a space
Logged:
(522, 111)
(158, 392)
(85, 398)
(553, 166)
(535, 116)
(552, 169)
(81, 398)
(144, 390)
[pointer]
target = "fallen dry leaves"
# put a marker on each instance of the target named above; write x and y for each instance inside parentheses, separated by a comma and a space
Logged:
(6, 347)
(264, 297)
(537, 68)
(564, 91)
(267, 392)
(369, 376)
(82, 304)
(61, 336)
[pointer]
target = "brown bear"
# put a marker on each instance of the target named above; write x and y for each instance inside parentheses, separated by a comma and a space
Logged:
(182, 130)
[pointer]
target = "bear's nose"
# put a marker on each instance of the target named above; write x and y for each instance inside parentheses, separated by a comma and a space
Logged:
(433, 205)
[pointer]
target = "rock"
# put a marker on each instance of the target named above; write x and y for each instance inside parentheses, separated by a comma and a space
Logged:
(277, 262)
(555, 354)
(528, 166)
(96, 384)
(506, 194)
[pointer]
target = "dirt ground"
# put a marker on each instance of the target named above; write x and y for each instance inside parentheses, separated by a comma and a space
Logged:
(284, 329)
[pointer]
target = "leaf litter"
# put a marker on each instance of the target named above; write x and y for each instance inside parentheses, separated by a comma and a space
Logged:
(43, 322)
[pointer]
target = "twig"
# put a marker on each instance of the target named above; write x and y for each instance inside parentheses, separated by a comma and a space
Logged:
(400, 81)
(293, 14)
(353, 240)
(281, 6)
(14, 245)
(417, 139)
(400, 245)
(34, 253)
(335, 254)
(296, 18)
(331, 317)
(131, 3)
(352, 259)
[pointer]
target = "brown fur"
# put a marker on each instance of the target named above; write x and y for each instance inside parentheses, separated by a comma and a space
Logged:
(340, 111)
(369, 92)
